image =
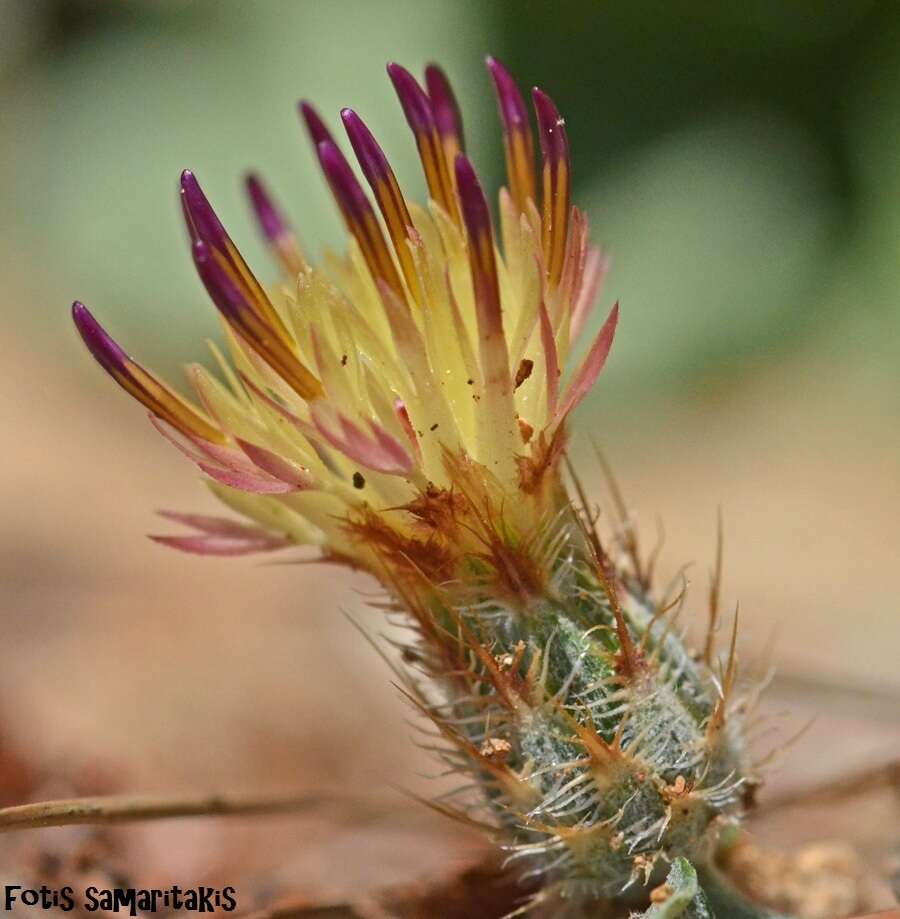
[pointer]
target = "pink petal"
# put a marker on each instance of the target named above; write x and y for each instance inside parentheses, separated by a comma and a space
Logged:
(213, 526)
(382, 454)
(576, 252)
(202, 451)
(595, 269)
(220, 536)
(304, 427)
(551, 358)
(178, 440)
(590, 368)
(277, 466)
(392, 447)
(255, 483)
(237, 470)
(219, 545)
(230, 458)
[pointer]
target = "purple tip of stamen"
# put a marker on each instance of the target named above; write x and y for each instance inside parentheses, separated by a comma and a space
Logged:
(475, 210)
(512, 105)
(371, 157)
(106, 352)
(314, 124)
(416, 105)
(344, 185)
(551, 127)
(443, 103)
(270, 220)
(188, 219)
(201, 219)
(221, 289)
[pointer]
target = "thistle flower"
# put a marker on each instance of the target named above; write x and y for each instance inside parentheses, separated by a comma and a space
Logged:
(401, 407)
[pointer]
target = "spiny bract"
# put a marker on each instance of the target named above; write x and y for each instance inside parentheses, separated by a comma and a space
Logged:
(401, 408)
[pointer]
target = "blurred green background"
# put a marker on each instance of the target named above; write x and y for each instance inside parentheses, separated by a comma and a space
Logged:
(740, 162)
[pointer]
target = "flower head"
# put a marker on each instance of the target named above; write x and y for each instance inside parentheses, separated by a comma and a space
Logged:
(401, 407)
(425, 361)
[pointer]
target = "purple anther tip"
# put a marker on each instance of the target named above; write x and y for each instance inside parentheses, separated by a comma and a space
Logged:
(270, 220)
(551, 127)
(443, 102)
(314, 124)
(221, 289)
(201, 219)
(412, 98)
(344, 185)
(192, 193)
(512, 106)
(370, 155)
(104, 349)
(471, 196)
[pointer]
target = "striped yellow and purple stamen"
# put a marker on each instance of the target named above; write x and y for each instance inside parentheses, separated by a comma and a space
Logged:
(275, 228)
(498, 384)
(477, 220)
(391, 203)
(444, 107)
(419, 114)
(231, 300)
(354, 206)
(555, 183)
(163, 402)
(518, 142)
(203, 224)
(237, 294)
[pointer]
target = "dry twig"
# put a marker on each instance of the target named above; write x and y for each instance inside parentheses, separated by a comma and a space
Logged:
(129, 808)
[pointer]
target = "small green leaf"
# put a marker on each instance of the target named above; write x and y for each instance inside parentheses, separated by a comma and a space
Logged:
(686, 900)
